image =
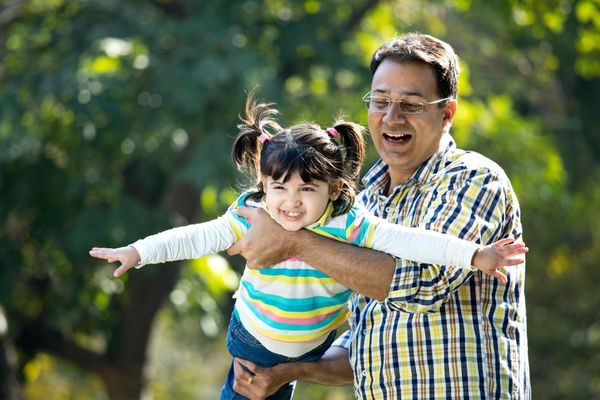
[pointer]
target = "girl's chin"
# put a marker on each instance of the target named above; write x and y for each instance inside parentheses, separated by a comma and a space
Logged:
(290, 226)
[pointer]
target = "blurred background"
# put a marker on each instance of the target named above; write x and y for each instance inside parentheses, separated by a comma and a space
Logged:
(116, 121)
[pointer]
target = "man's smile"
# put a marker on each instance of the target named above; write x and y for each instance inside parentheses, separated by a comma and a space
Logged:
(397, 137)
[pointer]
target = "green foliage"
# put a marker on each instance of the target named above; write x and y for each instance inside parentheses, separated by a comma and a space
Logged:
(52, 379)
(117, 119)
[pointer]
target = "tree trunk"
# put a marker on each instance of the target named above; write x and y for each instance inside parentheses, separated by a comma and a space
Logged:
(122, 381)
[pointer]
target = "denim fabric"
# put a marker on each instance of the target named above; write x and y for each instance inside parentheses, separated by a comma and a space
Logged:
(242, 344)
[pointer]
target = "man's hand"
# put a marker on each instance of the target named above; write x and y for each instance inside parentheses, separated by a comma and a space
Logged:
(260, 382)
(266, 243)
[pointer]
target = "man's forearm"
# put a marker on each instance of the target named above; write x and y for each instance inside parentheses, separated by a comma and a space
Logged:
(366, 271)
(332, 369)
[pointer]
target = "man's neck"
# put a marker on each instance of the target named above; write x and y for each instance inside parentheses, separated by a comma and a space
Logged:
(397, 179)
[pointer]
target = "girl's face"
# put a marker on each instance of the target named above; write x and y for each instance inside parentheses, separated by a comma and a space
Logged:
(295, 203)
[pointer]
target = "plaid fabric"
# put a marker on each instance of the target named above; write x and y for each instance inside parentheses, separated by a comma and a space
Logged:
(443, 332)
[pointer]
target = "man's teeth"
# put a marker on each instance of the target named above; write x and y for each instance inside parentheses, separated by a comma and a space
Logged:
(397, 138)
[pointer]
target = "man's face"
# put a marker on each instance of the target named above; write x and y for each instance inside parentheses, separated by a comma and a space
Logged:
(405, 141)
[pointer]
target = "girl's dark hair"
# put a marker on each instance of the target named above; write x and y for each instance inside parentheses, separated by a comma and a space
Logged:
(303, 148)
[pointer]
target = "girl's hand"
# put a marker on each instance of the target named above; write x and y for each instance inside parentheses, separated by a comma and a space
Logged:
(127, 256)
(492, 257)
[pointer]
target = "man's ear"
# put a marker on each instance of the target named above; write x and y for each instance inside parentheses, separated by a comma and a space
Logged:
(449, 111)
(335, 189)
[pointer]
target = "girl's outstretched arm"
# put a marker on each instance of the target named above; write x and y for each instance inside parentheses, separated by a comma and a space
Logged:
(182, 243)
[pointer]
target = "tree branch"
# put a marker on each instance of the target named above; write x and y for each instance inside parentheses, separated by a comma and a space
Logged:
(359, 13)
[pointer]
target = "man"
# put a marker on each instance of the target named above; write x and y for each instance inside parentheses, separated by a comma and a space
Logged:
(417, 331)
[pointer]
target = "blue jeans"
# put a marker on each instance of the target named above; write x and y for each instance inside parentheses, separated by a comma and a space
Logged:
(242, 344)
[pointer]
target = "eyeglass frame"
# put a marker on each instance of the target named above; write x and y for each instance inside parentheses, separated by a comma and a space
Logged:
(367, 99)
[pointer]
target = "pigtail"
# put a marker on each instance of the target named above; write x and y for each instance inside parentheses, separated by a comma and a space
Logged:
(353, 144)
(257, 120)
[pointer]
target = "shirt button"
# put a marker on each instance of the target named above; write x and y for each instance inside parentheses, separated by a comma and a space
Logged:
(364, 373)
(364, 332)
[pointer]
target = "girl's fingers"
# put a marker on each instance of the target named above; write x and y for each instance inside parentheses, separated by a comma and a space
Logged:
(509, 251)
(500, 276)
(120, 271)
(511, 261)
(504, 241)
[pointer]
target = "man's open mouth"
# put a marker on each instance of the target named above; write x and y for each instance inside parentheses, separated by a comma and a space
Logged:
(397, 138)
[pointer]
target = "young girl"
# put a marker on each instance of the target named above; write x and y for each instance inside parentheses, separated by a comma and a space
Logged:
(306, 178)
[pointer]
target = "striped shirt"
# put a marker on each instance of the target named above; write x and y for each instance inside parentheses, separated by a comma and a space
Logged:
(443, 332)
(291, 307)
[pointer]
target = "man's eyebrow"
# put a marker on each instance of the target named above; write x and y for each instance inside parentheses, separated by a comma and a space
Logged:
(379, 91)
(404, 93)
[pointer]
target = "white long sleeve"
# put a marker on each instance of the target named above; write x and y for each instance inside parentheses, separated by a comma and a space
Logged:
(423, 246)
(186, 242)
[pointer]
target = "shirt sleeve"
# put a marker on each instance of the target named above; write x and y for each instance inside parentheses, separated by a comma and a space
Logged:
(423, 246)
(186, 242)
(470, 207)
(193, 241)
(344, 340)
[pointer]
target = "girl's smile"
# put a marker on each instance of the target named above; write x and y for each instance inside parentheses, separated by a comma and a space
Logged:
(294, 203)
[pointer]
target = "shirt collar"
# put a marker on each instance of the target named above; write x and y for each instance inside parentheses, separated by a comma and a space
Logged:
(377, 179)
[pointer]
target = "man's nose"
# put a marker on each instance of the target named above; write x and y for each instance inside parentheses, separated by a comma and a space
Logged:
(393, 115)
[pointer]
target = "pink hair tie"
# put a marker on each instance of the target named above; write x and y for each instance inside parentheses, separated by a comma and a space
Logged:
(332, 132)
(263, 138)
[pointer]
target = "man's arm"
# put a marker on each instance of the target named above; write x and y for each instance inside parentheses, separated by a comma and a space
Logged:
(332, 369)
(365, 271)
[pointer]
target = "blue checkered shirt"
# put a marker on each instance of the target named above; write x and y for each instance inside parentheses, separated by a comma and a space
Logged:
(443, 332)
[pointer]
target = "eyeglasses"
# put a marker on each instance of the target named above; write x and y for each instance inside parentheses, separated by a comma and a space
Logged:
(383, 104)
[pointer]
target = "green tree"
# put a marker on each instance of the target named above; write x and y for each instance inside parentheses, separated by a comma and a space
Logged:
(116, 120)
(116, 116)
